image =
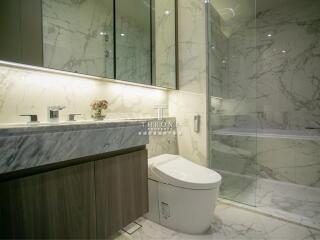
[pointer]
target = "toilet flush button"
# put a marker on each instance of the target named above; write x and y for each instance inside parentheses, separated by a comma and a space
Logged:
(165, 210)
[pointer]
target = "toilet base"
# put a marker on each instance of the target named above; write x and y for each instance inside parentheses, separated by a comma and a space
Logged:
(185, 210)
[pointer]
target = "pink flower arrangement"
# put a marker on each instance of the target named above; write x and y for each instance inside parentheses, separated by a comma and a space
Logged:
(97, 106)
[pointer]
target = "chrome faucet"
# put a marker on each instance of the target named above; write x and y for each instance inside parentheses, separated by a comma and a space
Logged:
(53, 113)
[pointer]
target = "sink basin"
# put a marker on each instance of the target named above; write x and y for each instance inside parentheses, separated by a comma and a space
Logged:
(63, 123)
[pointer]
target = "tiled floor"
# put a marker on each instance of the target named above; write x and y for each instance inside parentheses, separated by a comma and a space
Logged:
(229, 223)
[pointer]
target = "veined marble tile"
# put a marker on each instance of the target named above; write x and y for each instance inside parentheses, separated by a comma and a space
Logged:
(229, 223)
(162, 141)
(31, 92)
(301, 202)
(184, 106)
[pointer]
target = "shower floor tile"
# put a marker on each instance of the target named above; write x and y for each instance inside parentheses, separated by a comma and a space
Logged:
(230, 222)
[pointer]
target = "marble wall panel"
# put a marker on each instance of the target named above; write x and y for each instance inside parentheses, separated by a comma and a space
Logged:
(288, 72)
(164, 140)
(191, 99)
(31, 92)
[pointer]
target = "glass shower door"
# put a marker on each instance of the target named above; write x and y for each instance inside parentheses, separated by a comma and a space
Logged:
(231, 32)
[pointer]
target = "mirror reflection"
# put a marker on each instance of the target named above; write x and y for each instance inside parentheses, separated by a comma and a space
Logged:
(78, 36)
(164, 43)
(130, 40)
(133, 40)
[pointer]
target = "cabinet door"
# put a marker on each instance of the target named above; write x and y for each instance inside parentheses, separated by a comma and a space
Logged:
(55, 204)
(21, 31)
(121, 191)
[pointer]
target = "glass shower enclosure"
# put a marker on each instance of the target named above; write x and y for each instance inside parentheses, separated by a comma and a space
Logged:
(231, 31)
(264, 104)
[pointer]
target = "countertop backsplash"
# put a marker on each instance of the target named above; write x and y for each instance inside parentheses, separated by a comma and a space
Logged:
(24, 91)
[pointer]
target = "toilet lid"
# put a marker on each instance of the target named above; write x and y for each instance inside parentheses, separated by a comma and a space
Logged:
(178, 171)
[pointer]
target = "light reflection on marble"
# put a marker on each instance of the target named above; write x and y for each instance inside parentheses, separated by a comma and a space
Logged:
(31, 92)
(229, 223)
(162, 141)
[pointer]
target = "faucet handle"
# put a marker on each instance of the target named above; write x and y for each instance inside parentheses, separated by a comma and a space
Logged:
(33, 117)
(72, 115)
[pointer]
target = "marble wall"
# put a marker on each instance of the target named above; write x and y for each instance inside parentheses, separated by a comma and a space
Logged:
(288, 73)
(218, 45)
(273, 73)
(190, 100)
(31, 92)
(165, 140)
(272, 81)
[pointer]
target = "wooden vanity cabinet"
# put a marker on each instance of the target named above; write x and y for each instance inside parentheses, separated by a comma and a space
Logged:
(121, 191)
(21, 31)
(85, 201)
(55, 204)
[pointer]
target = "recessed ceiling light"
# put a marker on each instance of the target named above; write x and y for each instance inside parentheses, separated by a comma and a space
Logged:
(283, 51)
(166, 12)
(269, 35)
(122, 35)
(103, 33)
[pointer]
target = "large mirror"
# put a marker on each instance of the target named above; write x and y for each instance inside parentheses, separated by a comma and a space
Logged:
(78, 36)
(164, 43)
(130, 40)
(133, 40)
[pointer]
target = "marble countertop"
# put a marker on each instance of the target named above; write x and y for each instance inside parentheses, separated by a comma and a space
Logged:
(25, 146)
(30, 128)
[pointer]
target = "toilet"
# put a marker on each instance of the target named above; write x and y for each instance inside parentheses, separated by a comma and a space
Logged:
(182, 194)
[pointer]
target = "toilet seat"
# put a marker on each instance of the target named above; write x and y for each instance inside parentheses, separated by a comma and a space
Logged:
(180, 172)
